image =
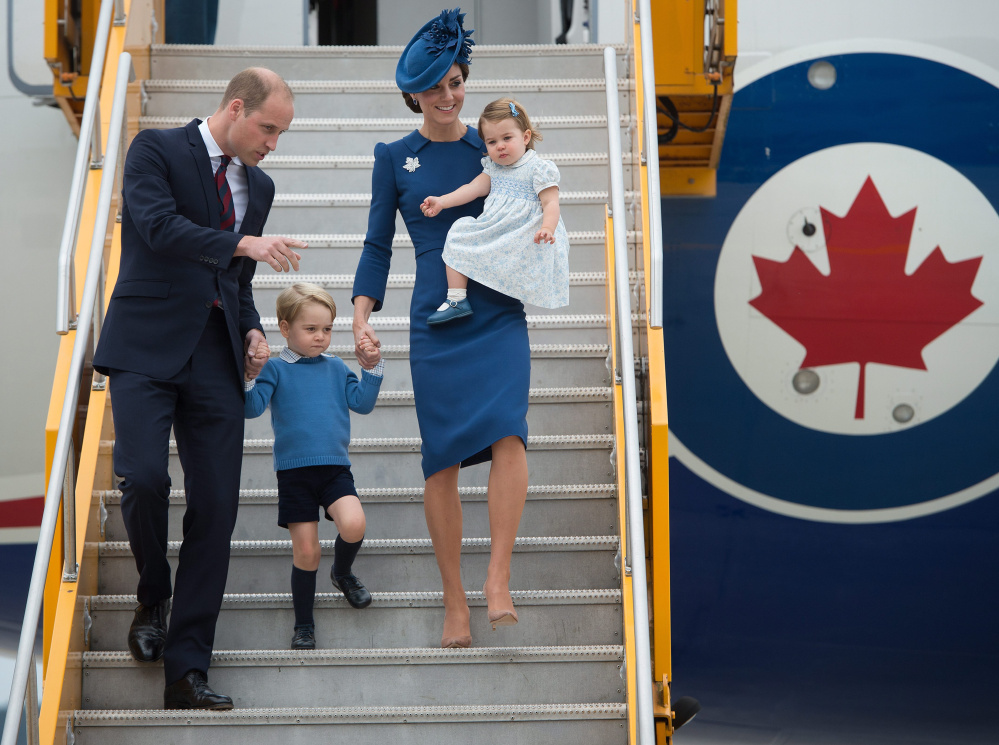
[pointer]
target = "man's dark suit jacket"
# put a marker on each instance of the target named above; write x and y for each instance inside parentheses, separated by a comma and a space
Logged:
(174, 258)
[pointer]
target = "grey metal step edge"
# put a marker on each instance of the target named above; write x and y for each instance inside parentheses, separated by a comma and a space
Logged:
(472, 85)
(402, 240)
(406, 494)
(425, 599)
(405, 281)
(363, 200)
(535, 395)
(368, 161)
(412, 444)
(538, 351)
(408, 546)
(322, 52)
(383, 124)
(387, 656)
(401, 323)
(354, 715)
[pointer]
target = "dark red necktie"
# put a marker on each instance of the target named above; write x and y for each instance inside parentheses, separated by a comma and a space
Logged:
(227, 214)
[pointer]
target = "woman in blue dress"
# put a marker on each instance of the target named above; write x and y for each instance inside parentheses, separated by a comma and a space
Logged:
(471, 377)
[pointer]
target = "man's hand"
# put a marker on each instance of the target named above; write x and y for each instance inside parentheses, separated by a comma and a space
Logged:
(256, 353)
(275, 250)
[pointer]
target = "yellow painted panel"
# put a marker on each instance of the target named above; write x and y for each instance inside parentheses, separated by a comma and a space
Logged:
(684, 181)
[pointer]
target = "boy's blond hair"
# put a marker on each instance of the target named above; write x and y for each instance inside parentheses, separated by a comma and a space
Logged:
(504, 108)
(291, 301)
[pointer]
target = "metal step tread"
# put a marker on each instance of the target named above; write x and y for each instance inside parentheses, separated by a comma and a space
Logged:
(472, 85)
(423, 599)
(537, 442)
(393, 52)
(538, 351)
(405, 494)
(353, 714)
(356, 240)
(394, 444)
(364, 199)
(408, 124)
(408, 546)
(367, 161)
(387, 656)
(401, 323)
(346, 281)
(536, 395)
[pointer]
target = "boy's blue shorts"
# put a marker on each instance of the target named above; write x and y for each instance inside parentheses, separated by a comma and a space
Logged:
(302, 491)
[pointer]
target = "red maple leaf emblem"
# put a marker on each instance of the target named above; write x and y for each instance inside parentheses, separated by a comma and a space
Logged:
(867, 309)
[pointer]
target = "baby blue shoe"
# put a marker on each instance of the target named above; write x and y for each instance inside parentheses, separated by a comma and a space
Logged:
(454, 309)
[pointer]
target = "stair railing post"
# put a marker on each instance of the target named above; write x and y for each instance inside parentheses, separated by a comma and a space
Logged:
(633, 475)
(31, 702)
(70, 567)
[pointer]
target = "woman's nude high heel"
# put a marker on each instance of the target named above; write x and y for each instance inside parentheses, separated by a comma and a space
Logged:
(502, 618)
(456, 642)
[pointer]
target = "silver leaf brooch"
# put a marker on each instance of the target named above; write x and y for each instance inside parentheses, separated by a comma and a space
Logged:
(412, 164)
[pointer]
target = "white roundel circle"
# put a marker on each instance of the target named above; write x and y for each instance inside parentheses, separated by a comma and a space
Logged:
(851, 230)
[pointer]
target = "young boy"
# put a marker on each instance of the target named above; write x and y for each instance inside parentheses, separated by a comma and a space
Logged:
(309, 393)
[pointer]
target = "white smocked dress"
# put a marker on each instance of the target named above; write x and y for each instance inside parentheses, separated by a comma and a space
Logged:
(497, 248)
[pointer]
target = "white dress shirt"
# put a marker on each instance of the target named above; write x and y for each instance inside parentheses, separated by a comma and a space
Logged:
(235, 174)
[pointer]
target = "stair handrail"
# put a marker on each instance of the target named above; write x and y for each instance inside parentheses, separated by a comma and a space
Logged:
(92, 297)
(650, 147)
(635, 553)
(89, 144)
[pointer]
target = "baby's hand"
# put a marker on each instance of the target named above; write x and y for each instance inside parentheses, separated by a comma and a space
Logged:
(431, 206)
(544, 236)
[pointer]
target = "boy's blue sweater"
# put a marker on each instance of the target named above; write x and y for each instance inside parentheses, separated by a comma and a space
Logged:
(309, 399)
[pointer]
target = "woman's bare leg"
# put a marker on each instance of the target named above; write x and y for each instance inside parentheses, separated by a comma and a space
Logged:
(507, 494)
(442, 508)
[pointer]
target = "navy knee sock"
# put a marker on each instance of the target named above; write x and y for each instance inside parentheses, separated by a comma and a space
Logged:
(303, 594)
(343, 555)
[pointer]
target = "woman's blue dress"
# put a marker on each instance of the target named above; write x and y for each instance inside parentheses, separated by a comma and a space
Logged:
(471, 376)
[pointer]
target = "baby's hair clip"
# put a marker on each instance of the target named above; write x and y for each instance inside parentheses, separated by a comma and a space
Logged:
(513, 109)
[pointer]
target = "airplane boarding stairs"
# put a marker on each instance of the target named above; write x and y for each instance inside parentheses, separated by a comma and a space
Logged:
(378, 674)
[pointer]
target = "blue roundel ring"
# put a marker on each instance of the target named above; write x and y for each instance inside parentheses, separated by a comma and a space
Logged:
(896, 95)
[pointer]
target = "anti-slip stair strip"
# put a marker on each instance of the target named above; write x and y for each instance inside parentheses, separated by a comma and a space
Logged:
(360, 199)
(375, 87)
(541, 321)
(406, 281)
(407, 546)
(353, 715)
(386, 656)
(428, 599)
(408, 493)
(388, 51)
(402, 240)
(536, 395)
(412, 444)
(393, 124)
(538, 351)
(368, 161)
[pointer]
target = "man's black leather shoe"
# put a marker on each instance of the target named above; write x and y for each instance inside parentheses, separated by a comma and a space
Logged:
(356, 593)
(304, 638)
(147, 634)
(192, 692)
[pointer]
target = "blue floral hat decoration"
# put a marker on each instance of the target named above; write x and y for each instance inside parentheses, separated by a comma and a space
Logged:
(430, 53)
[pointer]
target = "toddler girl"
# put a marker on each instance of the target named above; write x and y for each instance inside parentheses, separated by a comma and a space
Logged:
(518, 245)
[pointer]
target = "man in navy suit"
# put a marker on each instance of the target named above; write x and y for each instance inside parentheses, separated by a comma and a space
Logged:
(181, 335)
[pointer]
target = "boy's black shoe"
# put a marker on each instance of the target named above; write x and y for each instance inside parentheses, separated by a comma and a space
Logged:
(305, 637)
(352, 589)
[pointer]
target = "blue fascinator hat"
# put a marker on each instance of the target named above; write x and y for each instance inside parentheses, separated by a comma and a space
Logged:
(430, 53)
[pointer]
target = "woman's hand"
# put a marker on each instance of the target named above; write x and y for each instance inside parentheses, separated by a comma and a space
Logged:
(366, 342)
